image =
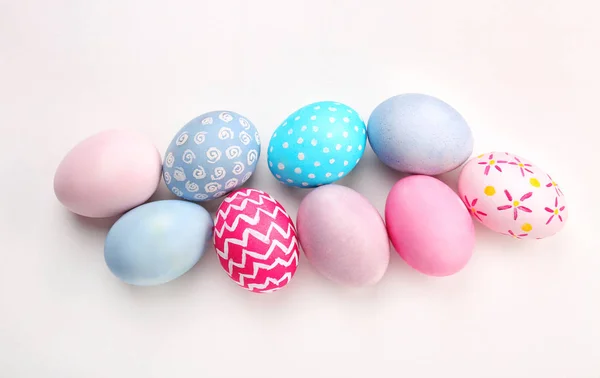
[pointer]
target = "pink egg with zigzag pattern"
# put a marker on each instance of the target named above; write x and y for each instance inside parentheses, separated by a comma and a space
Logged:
(513, 196)
(255, 241)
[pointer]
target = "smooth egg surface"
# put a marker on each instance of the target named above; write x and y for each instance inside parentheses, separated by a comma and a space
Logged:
(318, 144)
(429, 226)
(343, 236)
(419, 134)
(510, 195)
(108, 173)
(212, 155)
(255, 241)
(157, 242)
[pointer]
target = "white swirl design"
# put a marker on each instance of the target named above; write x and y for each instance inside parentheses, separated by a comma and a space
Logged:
(179, 174)
(252, 155)
(225, 117)
(177, 192)
(231, 183)
(200, 196)
(191, 187)
(225, 133)
(167, 177)
(219, 194)
(257, 138)
(233, 152)
(182, 138)
(213, 154)
(188, 156)
(245, 137)
(246, 177)
(244, 122)
(199, 173)
(218, 173)
(200, 137)
(207, 121)
(169, 160)
(212, 187)
(238, 167)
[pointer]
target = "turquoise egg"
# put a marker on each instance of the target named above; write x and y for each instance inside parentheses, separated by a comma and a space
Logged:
(318, 144)
(157, 242)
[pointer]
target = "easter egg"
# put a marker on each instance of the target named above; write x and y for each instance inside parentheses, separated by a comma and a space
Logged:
(316, 145)
(343, 236)
(510, 195)
(108, 173)
(419, 134)
(157, 242)
(212, 155)
(255, 241)
(429, 226)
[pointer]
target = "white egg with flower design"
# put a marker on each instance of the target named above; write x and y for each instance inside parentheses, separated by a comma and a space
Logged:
(510, 195)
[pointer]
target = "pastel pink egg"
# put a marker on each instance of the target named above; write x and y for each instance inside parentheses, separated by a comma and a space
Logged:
(255, 241)
(343, 236)
(108, 173)
(429, 226)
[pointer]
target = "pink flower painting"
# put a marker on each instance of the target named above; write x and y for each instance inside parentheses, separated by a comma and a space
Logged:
(491, 162)
(516, 236)
(516, 204)
(555, 211)
(471, 206)
(524, 167)
(555, 185)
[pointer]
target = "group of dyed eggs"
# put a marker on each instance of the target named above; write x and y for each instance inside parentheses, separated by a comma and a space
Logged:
(342, 235)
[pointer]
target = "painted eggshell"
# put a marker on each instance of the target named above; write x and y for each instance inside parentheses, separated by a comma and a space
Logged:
(255, 240)
(157, 242)
(212, 155)
(420, 134)
(343, 236)
(429, 226)
(318, 144)
(108, 174)
(510, 195)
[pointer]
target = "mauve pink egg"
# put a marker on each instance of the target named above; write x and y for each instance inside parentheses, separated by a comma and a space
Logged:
(343, 236)
(429, 225)
(108, 173)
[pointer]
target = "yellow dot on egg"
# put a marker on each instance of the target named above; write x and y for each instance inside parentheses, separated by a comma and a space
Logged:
(534, 182)
(516, 203)
(492, 162)
(555, 211)
(526, 227)
(489, 190)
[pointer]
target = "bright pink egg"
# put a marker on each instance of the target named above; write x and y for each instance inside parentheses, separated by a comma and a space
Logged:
(255, 240)
(429, 225)
(343, 236)
(108, 173)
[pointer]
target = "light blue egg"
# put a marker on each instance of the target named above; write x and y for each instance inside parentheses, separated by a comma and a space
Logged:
(419, 134)
(317, 145)
(157, 242)
(212, 155)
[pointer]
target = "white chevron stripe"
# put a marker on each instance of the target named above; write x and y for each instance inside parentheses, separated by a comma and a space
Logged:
(231, 263)
(224, 254)
(242, 206)
(256, 266)
(269, 280)
(247, 193)
(251, 221)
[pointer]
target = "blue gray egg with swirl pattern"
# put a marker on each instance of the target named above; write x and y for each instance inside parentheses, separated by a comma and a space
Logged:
(212, 155)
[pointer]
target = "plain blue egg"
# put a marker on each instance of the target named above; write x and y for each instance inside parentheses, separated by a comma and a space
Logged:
(212, 155)
(419, 134)
(318, 144)
(157, 242)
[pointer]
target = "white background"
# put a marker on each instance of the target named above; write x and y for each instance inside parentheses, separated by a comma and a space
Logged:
(524, 73)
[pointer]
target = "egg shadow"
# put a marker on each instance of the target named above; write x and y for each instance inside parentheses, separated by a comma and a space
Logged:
(92, 225)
